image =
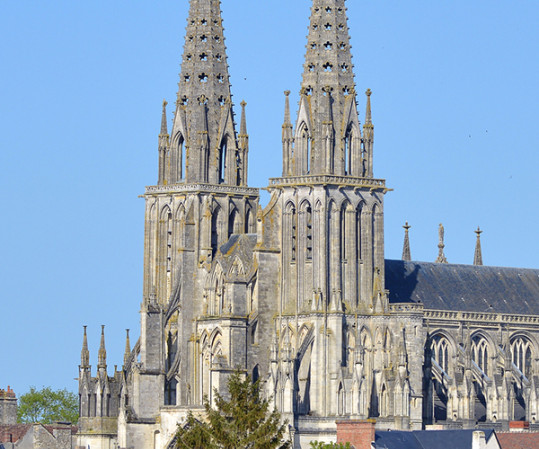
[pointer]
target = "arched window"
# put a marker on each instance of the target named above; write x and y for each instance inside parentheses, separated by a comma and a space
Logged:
(308, 233)
(222, 161)
(182, 161)
(480, 353)
(348, 138)
(215, 228)
(305, 146)
(291, 229)
(521, 354)
(232, 222)
(440, 350)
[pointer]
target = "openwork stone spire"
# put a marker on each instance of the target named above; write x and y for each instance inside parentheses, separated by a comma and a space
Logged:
(328, 135)
(203, 145)
(441, 245)
(478, 256)
(406, 253)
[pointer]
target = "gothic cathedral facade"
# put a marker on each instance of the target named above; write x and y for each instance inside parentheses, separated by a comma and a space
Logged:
(298, 294)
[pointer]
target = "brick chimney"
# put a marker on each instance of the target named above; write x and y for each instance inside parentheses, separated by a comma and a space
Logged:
(358, 432)
(8, 406)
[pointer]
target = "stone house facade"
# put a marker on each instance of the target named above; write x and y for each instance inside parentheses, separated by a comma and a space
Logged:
(298, 294)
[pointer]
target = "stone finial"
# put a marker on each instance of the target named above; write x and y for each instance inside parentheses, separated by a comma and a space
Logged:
(406, 253)
(478, 256)
(102, 353)
(287, 109)
(243, 122)
(85, 353)
(127, 352)
(441, 245)
(368, 111)
(164, 129)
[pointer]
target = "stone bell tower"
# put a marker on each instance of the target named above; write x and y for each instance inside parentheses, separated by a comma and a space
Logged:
(200, 200)
(332, 301)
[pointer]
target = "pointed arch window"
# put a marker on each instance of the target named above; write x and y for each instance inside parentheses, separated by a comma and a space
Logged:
(308, 233)
(480, 353)
(305, 149)
(222, 161)
(521, 354)
(440, 351)
(348, 139)
(291, 229)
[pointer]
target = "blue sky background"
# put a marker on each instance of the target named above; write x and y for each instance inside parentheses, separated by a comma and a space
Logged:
(455, 109)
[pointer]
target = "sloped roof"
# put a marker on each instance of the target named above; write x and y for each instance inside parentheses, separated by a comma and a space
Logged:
(17, 431)
(427, 439)
(468, 288)
(518, 440)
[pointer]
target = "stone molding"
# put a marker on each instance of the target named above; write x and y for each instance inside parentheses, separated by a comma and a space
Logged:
(200, 187)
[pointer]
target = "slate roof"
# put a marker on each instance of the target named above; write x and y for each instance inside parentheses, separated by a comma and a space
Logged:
(518, 440)
(468, 288)
(427, 439)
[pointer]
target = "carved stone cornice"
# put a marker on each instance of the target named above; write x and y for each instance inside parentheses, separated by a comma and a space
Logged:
(222, 189)
(341, 181)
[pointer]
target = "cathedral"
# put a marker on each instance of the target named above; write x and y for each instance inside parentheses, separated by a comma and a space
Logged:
(298, 294)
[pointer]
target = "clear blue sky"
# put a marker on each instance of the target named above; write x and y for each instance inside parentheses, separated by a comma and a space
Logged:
(455, 107)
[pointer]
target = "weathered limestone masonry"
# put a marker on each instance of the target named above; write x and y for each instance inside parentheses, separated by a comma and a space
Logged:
(299, 294)
(8, 406)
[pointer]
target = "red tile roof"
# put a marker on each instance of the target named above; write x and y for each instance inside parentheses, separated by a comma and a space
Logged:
(518, 440)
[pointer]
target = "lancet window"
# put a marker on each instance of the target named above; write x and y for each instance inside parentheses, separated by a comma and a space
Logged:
(440, 351)
(480, 353)
(521, 353)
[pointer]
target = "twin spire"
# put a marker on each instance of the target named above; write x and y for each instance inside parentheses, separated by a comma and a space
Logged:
(203, 146)
(327, 139)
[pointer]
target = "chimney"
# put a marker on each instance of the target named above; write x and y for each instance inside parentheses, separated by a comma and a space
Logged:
(358, 432)
(8, 406)
(478, 440)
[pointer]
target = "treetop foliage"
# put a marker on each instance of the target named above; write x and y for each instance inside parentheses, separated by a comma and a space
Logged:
(241, 421)
(47, 406)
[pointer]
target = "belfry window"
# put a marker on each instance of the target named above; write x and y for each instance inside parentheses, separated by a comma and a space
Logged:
(309, 233)
(222, 161)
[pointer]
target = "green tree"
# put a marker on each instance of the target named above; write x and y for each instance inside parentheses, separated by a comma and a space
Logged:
(320, 445)
(47, 406)
(241, 421)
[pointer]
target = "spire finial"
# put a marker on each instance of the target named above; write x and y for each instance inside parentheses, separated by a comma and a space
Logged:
(102, 354)
(164, 129)
(287, 108)
(478, 256)
(441, 245)
(85, 354)
(127, 349)
(406, 253)
(368, 111)
(243, 124)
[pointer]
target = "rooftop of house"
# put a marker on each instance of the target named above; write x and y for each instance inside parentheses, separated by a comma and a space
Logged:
(428, 439)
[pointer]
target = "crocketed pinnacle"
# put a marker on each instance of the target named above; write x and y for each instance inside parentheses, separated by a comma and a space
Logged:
(164, 130)
(85, 353)
(204, 104)
(478, 256)
(406, 253)
(102, 354)
(127, 352)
